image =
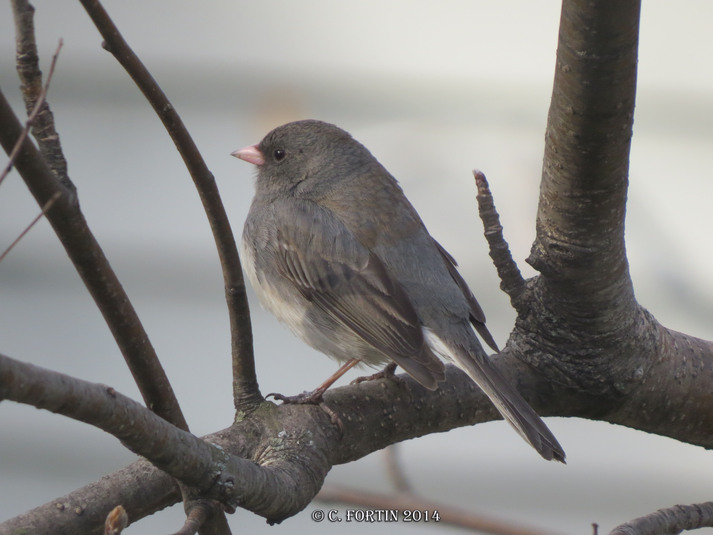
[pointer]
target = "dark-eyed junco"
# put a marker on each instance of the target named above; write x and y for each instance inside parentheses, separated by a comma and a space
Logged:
(335, 250)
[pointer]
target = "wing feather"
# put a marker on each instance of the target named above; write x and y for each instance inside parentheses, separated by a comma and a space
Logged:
(477, 316)
(350, 284)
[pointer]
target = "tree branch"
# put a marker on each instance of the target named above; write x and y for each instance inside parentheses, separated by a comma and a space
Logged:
(511, 281)
(579, 248)
(600, 353)
(277, 456)
(246, 393)
(580, 220)
(198, 518)
(140, 488)
(584, 297)
(31, 118)
(209, 468)
(669, 521)
(139, 429)
(27, 63)
(27, 229)
(293, 447)
(669, 394)
(83, 250)
(581, 347)
(33, 113)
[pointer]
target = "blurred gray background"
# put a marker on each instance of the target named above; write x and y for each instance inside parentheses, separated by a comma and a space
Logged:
(434, 89)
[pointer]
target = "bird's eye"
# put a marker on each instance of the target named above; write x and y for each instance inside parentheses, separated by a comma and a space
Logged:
(279, 154)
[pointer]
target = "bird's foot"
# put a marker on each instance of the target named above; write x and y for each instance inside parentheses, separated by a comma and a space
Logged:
(310, 398)
(305, 398)
(387, 373)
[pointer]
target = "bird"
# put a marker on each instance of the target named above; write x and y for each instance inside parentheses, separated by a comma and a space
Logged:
(334, 249)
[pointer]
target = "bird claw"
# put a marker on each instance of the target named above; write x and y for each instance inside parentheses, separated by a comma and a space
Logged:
(387, 373)
(305, 398)
(311, 398)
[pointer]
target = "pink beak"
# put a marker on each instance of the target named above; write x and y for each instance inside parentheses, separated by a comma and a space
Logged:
(250, 154)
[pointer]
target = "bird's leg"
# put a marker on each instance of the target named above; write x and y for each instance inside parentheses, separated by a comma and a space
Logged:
(387, 373)
(315, 397)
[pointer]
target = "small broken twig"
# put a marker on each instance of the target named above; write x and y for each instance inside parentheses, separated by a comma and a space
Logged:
(39, 216)
(511, 281)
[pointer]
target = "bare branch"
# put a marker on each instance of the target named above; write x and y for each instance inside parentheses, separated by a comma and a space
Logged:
(511, 281)
(139, 429)
(584, 297)
(30, 75)
(177, 452)
(266, 486)
(46, 207)
(141, 488)
(282, 452)
(583, 347)
(38, 105)
(299, 444)
(580, 220)
(599, 352)
(246, 392)
(203, 515)
(245, 387)
(40, 101)
(669, 521)
(199, 514)
(195, 519)
(85, 253)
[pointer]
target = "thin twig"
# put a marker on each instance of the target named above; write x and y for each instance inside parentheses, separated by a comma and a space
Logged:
(45, 208)
(93, 267)
(45, 180)
(511, 281)
(32, 116)
(198, 518)
(273, 486)
(28, 69)
(246, 393)
(203, 516)
(437, 512)
(177, 452)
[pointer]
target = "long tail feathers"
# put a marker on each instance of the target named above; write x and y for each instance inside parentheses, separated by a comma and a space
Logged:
(511, 405)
